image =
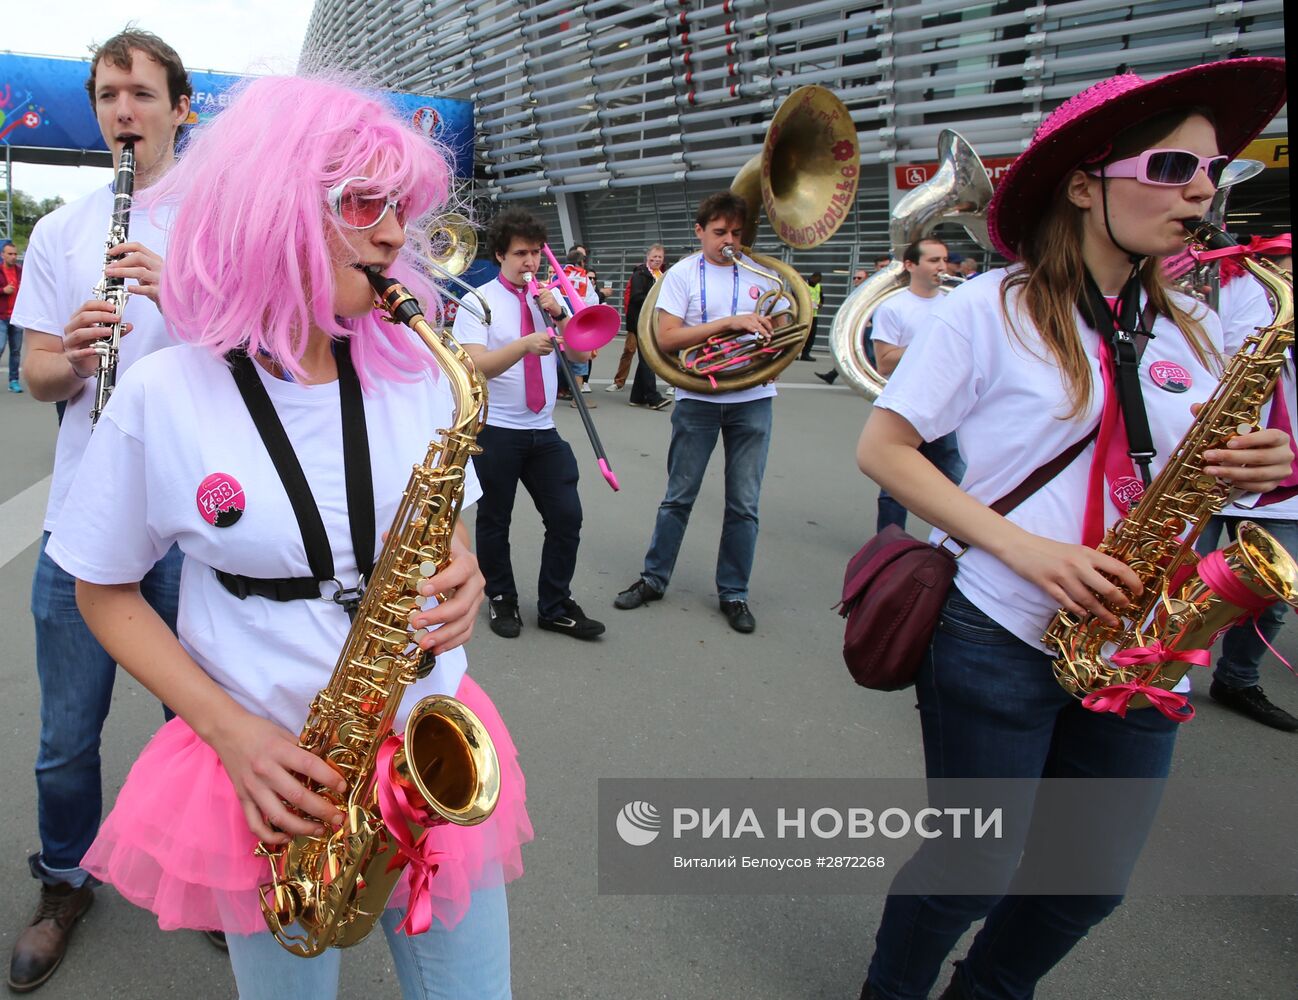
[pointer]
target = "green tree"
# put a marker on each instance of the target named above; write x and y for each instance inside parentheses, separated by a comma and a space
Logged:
(26, 210)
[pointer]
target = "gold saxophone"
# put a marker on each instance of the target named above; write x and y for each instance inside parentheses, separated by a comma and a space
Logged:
(328, 891)
(1178, 611)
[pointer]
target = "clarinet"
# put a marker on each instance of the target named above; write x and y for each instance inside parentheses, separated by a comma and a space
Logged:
(113, 290)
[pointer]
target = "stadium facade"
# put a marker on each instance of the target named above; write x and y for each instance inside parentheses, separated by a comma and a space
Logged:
(611, 119)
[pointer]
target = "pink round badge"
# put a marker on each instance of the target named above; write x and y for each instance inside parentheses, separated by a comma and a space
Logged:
(220, 499)
(754, 292)
(1170, 376)
(1126, 493)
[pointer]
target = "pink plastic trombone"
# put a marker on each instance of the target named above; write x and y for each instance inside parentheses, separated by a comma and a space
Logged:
(606, 470)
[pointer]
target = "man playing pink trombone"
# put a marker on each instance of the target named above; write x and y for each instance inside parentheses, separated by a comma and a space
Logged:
(520, 443)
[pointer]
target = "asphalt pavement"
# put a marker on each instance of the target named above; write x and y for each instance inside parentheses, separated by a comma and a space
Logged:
(669, 691)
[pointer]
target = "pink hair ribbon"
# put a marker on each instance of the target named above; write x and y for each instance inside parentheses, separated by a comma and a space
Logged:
(397, 811)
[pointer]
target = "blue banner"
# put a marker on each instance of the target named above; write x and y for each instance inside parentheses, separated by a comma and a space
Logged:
(43, 105)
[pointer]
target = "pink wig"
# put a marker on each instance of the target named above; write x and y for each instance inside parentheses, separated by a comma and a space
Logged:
(248, 261)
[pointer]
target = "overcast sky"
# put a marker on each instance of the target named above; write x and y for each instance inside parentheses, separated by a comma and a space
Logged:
(232, 36)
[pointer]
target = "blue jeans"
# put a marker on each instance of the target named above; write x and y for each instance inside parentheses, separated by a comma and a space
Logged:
(471, 960)
(745, 430)
(13, 336)
(946, 456)
(544, 463)
(76, 676)
(991, 708)
(1242, 649)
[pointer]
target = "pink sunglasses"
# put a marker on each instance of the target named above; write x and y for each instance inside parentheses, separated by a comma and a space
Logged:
(1165, 167)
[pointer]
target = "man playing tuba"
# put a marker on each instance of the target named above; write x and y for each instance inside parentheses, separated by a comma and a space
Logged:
(705, 295)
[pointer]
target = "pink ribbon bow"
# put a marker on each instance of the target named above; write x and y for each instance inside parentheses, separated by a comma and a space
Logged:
(397, 811)
(1116, 698)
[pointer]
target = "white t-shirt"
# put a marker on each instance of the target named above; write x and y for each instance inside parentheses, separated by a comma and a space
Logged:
(727, 284)
(507, 392)
(1245, 306)
(901, 315)
(64, 262)
(175, 444)
(1007, 403)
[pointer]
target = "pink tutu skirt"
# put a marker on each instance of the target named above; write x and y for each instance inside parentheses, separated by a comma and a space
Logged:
(177, 843)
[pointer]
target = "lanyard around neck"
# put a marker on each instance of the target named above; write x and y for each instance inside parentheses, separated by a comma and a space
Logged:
(703, 287)
(1121, 327)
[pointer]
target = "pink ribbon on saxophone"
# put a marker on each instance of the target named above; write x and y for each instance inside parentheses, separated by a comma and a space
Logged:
(1116, 698)
(1215, 572)
(397, 811)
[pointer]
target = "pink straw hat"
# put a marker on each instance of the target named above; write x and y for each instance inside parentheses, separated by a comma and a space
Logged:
(1241, 95)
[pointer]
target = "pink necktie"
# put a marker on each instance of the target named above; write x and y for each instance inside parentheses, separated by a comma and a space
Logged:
(533, 380)
(1280, 419)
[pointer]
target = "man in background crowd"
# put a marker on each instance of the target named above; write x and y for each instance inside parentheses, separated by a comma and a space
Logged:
(644, 388)
(11, 276)
(896, 322)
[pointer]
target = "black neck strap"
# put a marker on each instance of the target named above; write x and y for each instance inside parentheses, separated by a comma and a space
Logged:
(1127, 329)
(356, 471)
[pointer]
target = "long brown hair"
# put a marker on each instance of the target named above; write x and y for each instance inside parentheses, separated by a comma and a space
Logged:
(1053, 271)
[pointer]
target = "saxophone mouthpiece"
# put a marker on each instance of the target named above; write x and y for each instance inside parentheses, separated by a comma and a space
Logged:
(380, 281)
(1204, 232)
(392, 296)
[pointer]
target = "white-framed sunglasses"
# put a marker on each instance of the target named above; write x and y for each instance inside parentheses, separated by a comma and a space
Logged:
(1165, 167)
(356, 206)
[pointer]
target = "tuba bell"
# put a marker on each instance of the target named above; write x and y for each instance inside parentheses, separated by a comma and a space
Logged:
(958, 193)
(806, 178)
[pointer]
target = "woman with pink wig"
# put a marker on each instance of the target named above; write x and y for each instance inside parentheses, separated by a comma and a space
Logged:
(1020, 365)
(279, 204)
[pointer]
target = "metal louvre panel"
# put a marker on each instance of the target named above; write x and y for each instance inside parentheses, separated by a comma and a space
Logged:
(604, 95)
(636, 110)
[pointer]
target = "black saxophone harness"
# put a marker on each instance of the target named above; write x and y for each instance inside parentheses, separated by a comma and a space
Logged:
(357, 474)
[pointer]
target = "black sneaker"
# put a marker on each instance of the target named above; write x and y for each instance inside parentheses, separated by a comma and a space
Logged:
(738, 615)
(829, 378)
(1252, 702)
(572, 622)
(637, 594)
(505, 620)
(662, 403)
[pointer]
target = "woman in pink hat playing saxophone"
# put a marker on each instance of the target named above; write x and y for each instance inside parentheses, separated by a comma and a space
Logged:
(1019, 365)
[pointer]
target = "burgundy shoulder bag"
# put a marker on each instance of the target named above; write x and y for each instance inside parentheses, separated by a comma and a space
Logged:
(895, 586)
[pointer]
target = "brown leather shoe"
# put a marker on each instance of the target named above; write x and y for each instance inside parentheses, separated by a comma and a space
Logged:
(41, 946)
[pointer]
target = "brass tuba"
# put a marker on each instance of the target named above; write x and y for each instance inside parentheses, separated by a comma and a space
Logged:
(806, 178)
(958, 193)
